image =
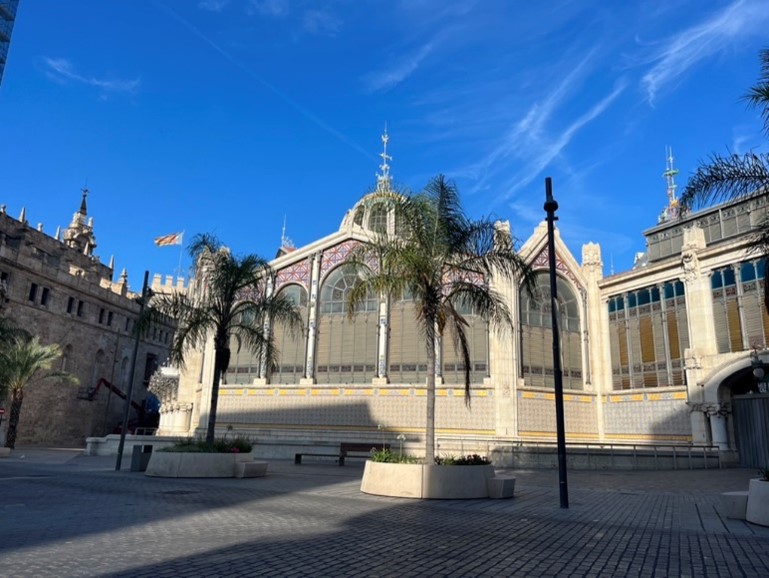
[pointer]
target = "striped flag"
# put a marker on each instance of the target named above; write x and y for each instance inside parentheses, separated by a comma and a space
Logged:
(167, 240)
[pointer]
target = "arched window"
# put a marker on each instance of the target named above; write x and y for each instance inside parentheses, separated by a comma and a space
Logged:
(537, 335)
(291, 346)
(377, 220)
(476, 331)
(358, 218)
(346, 349)
(407, 355)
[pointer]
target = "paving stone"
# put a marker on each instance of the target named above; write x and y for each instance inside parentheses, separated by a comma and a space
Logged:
(81, 518)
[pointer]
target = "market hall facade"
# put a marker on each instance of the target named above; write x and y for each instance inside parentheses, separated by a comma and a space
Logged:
(665, 354)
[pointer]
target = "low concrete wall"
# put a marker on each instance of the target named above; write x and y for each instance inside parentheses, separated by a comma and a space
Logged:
(108, 445)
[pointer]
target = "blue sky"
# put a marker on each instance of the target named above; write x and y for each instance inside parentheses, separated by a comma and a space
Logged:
(226, 116)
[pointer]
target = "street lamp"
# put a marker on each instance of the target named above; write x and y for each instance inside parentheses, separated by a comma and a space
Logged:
(551, 206)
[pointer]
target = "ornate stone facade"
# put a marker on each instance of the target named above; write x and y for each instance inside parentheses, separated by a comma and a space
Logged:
(56, 287)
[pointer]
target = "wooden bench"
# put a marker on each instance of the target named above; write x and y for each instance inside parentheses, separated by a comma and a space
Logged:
(346, 450)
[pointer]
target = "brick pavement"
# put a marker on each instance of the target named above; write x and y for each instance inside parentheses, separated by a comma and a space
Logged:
(62, 514)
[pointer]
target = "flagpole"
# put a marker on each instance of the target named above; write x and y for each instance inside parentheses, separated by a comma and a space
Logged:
(181, 251)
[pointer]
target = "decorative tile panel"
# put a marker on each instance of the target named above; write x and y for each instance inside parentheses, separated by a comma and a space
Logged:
(298, 273)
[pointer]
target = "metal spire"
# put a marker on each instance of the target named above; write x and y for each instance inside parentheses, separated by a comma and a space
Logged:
(672, 209)
(383, 179)
(285, 242)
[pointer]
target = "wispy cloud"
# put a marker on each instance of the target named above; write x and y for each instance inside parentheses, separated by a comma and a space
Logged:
(61, 70)
(321, 22)
(273, 8)
(213, 5)
(541, 152)
(681, 52)
(397, 72)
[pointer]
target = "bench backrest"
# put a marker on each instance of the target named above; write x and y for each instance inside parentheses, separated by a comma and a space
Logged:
(361, 447)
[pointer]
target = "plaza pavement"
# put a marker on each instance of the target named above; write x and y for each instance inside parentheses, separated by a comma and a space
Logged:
(65, 514)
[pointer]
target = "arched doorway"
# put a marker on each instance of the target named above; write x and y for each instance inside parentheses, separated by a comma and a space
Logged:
(749, 403)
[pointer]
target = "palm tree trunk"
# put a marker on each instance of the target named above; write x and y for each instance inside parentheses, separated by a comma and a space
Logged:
(13, 420)
(219, 364)
(430, 417)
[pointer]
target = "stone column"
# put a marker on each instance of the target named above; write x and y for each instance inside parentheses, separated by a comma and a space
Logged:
(718, 431)
(309, 375)
(384, 315)
(266, 328)
(699, 296)
(596, 323)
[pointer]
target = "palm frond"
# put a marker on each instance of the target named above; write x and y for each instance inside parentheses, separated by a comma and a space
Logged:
(726, 178)
(758, 95)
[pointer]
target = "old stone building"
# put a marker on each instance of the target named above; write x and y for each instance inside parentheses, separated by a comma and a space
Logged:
(57, 288)
(668, 354)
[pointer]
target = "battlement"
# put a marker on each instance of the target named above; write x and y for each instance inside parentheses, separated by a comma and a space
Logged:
(35, 249)
(170, 284)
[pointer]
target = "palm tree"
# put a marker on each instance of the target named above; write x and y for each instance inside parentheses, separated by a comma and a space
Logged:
(24, 360)
(444, 261)
(231, 303)
(9, 329)
(734, 176)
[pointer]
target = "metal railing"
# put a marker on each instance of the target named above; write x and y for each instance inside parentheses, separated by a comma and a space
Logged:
(679, 455)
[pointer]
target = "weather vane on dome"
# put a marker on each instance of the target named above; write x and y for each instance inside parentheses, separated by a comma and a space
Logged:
(672, 210)
(383, 179)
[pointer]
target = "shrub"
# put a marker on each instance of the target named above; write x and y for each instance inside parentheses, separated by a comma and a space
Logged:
(238, 444)
(764, 474)
(469, 460)
(388, 456)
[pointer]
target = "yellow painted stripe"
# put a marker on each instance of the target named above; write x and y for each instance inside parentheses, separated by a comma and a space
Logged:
(299, 392)
(679, 395)
(651, 437)
(549, 435)
(449, 431)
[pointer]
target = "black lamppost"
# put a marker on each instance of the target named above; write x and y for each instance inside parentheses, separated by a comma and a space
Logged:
(129, 395)
(551, 206)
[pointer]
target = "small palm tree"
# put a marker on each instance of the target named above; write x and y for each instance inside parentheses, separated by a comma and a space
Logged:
(24, 360)
(734, 176)
(231, 303)
(444, 261)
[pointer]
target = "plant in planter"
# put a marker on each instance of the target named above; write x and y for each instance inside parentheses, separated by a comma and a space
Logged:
(450, 477)
(196, 458)
(758, 499)
(238, 444)
(469, 460)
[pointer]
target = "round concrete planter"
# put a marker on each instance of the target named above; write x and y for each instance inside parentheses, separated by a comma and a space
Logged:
(426, 481)
(758, 502)
(195, 464)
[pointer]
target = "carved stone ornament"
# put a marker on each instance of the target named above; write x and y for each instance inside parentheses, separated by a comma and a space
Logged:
(691, 264)
(711, 409)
